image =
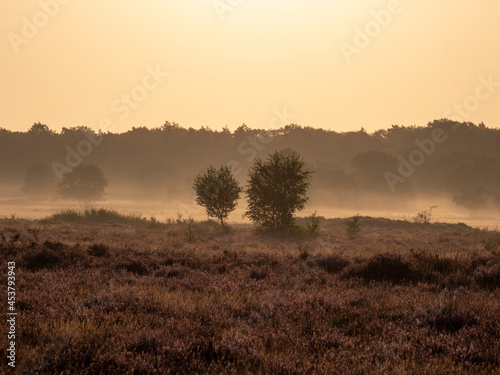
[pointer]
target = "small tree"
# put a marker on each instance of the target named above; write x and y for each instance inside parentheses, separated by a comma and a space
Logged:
(276, 189)
(353, 226)
(217, 191)
(85, 182)
(313, 227)
(424, 217)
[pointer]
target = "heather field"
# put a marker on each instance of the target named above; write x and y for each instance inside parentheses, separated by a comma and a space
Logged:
(107, 294)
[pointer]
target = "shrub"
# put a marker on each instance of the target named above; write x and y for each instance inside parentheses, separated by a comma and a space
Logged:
(154, 223)
(333, 263)
(94, 215)
(491, 243)
(424, 217)
(433, 262)
(488, 276)
(189, 232)
(56, 246)
(304, 253)
(452, 322)
(10, 235)
(170, 271)
(40, 258)
(34, 232)
(98, 250)
(353, 226)
(136, 267)
(258, 274)
(313, 227)
(383, 267)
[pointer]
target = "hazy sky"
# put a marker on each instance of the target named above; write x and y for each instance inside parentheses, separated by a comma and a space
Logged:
(70, 63)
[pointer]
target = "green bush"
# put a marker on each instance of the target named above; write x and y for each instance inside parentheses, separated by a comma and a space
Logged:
(189, 232)
(313, 227)
(94, 215)
(353, 226)
(424, 217)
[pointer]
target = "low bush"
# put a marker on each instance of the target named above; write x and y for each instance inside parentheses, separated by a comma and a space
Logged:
(452, 322)
(353, 226)
(313, 227)
(40, 258)
(488, 276)
(189, 232)
(56, 246)
(94, 215)
(383, 267)
(433, 262)
(258, 274)
(98, 250)
(332, 263)
(136, 267)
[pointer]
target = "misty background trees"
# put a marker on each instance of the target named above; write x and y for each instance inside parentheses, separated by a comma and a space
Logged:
(161, 163)
(84, 183)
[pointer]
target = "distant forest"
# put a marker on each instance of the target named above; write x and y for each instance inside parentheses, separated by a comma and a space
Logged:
(445, 158)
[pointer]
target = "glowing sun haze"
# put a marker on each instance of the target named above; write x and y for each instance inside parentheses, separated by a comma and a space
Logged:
(70, 63)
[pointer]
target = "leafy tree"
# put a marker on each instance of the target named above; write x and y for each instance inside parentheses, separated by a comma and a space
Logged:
(40, 129)
(217, 191)
(276, 189)
(85, 182)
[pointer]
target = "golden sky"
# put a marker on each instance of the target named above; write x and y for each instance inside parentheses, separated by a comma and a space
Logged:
(340, 65)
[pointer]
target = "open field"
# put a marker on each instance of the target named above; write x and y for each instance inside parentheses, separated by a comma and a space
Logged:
(111, 294)
(35, 209)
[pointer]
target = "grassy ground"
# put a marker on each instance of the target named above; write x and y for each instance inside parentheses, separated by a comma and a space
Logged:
(100, 293)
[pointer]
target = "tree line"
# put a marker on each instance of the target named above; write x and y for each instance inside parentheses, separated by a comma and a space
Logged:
(161, 162)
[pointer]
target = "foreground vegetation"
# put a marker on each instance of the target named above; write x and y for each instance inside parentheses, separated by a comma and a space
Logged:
(102, 293)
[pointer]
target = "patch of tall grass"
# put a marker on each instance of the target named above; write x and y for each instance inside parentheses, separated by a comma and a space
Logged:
(94, 215)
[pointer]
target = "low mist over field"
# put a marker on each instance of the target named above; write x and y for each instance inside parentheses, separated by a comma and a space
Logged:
(394, 172)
